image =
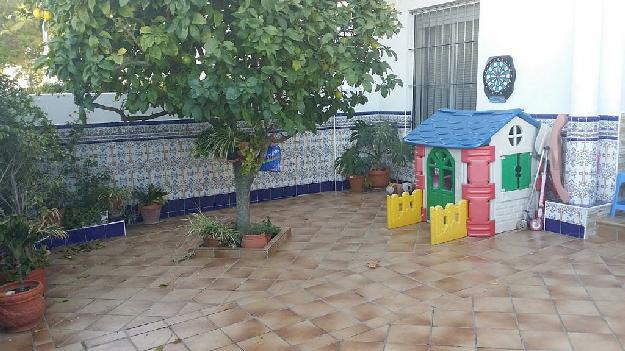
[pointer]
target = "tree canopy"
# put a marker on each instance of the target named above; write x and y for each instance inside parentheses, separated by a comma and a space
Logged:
(20, 39)
(280, 62)
(250, 68)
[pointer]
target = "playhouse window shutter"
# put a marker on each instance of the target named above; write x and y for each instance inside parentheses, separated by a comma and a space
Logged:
(525, 162)
(509, 180)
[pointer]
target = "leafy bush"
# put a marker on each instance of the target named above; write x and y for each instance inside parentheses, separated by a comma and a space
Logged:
(380, 144)
(29, 144)
(18, 235)
(352, 163)
(85, 194)
(264, 227)
(150, 195)
(204, 226)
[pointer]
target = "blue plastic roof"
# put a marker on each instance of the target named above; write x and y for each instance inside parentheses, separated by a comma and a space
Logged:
(462, 129)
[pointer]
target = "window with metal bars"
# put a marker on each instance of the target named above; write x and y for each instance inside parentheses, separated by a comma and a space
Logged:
(445, 57)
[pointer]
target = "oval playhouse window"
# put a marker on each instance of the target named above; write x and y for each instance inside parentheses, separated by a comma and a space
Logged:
(515, 135)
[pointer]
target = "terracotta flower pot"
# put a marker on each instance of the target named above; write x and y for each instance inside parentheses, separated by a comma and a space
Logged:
(117, 208)
(39, 275)
(23, 310)
(356, 184)
(379, 178)
(209, 241)
(151, 213)
(254, 241)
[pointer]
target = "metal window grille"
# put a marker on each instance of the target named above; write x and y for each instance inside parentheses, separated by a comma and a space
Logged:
(445, 57)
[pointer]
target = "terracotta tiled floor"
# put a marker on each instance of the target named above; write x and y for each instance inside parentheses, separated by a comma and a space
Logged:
(517, 291)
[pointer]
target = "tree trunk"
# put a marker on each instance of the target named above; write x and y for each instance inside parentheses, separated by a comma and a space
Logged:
(242, 185)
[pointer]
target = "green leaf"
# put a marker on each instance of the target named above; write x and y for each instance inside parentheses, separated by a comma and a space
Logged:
(123, 3)
(145, 30)
(218, 18)
(93, 41)
(105, 7)
(232, 93)
(198, 18)
(126, 11)
(211, 45)
(118, 59)
(121, 51)
(91, 4)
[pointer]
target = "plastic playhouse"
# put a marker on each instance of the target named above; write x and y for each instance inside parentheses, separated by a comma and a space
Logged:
(483, 157)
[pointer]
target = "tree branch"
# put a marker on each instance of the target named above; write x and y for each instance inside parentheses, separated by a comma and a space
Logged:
(127, 118)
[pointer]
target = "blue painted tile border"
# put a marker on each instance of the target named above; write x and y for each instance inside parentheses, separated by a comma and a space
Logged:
(181, 207)
(82, 235)
(560, 227)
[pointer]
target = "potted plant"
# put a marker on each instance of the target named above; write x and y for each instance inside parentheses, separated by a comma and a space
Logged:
(151, 200)
(354, 167)
(213, 231)
(381, 145)
(116, 198)
(259, 234)
(21, 302)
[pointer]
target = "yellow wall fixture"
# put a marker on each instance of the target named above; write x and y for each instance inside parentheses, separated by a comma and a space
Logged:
(404, 210)
(449, 223)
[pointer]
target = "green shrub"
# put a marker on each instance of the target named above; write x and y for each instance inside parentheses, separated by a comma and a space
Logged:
(150, 195)
(264, 227)
(204, 226)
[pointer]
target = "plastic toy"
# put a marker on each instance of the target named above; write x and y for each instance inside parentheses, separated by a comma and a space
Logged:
(403, 210)
(548, 146)
(449, 223)
(616, 204)
(484, 157)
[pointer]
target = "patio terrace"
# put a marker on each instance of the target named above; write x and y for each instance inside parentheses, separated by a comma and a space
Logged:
(516, 291)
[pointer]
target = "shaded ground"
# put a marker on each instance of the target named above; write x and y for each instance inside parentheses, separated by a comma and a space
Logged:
(519, 290)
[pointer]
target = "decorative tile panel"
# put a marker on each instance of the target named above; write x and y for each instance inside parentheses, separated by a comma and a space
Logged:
(160, 152)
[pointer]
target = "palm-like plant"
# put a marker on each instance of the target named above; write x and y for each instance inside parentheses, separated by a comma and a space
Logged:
(380, 143)
(151, 195)
(352, 163)
(18, 236)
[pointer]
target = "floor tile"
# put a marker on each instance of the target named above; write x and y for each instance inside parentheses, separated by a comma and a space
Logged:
(265, 342)
(245, 330)
(499, 338)
(448, 336)
(543, 340)
(539, 322)
(279, 319)
(585, 324)
(208, 341)
(593, 342)
(409, 334)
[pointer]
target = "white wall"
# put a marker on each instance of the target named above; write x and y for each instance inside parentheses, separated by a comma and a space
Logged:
(538, 36)
(400, 98)
(558, 47)
(60, 109)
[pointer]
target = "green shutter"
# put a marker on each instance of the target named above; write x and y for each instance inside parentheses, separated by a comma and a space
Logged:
(525, 162)
(509, 180)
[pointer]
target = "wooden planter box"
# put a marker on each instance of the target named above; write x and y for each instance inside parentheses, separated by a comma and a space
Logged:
(239, 252)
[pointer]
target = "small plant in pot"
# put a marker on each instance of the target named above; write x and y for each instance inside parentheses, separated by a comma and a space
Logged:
(116, 198)
(354, 167)
(151, 200)
(214, 232)
(21, 302)
(259, 234)
(380, 143)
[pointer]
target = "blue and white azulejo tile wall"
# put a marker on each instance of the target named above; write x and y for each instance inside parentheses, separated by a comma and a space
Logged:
(161, 153)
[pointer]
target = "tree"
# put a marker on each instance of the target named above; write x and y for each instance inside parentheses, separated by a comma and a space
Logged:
(20, 39)
(30, 149)
(258, 71)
